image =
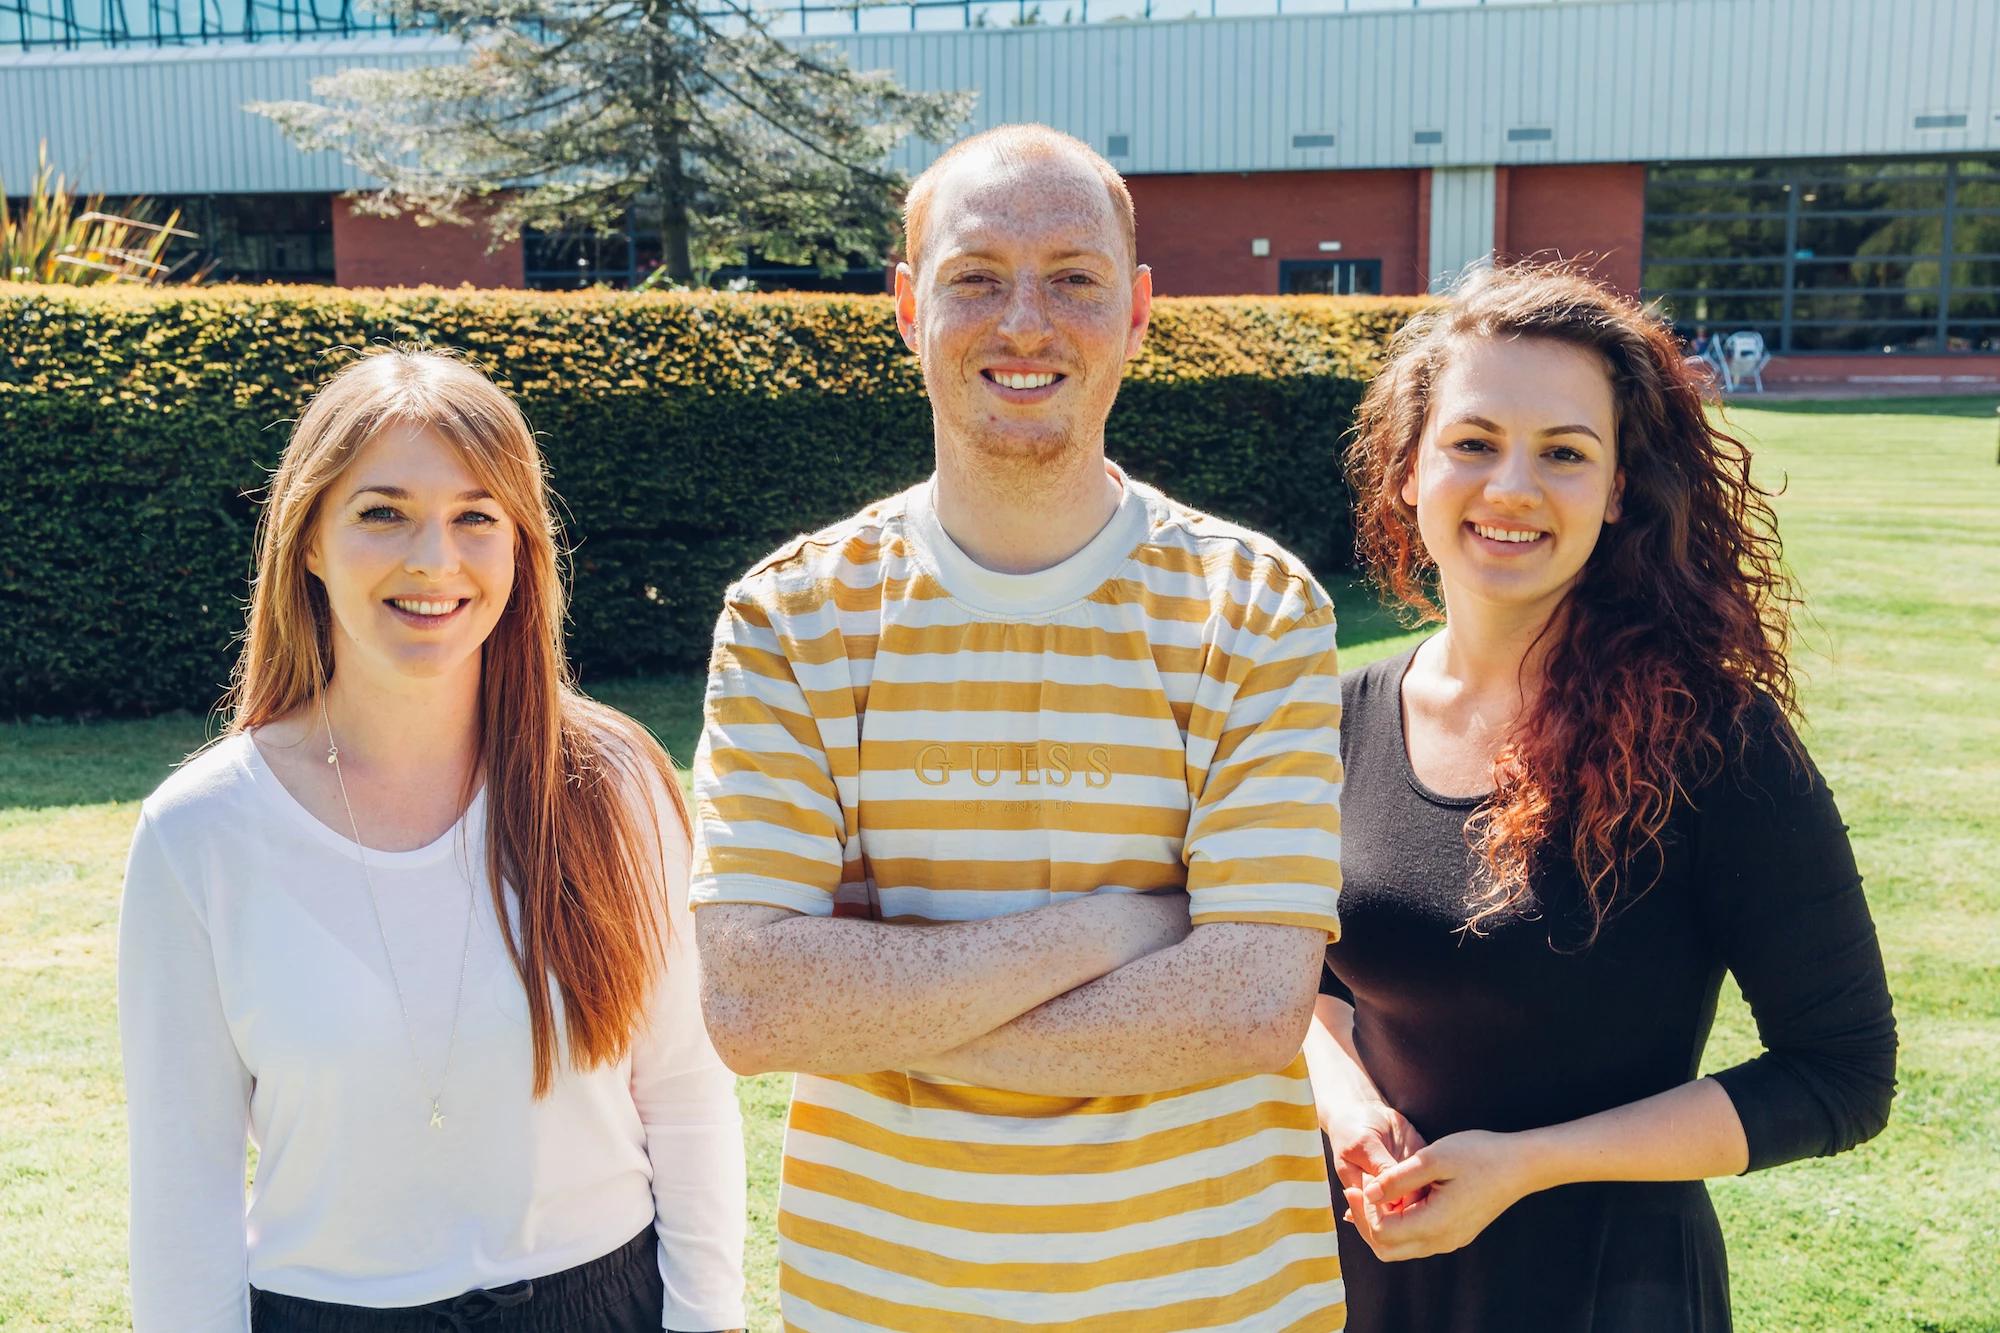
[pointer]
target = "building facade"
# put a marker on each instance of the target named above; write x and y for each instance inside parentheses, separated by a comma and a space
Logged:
(1826, 172)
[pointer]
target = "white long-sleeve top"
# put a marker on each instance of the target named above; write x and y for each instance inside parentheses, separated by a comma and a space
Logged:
(255, 1001)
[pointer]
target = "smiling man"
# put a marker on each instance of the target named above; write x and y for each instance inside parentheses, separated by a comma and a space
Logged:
(1019, 832)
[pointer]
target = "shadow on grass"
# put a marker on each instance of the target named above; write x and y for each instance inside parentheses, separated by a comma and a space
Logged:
(669, 706)
(85, 763)
(54, 763)
(1364, 618)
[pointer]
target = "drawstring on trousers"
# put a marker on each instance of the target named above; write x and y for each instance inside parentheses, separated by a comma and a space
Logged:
(462, 1312)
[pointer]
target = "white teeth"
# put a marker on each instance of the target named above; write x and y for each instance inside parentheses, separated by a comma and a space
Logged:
(1505, 534)
(1017, 381)
(417, 608)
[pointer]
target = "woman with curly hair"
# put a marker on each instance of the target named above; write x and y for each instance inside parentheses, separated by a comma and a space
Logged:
(1566, 815)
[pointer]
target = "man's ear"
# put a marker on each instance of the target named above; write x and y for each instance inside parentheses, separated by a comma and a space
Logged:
(1142, 311)
(906, 305)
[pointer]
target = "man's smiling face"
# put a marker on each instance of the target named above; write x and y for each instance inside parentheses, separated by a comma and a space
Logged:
(1024, 308)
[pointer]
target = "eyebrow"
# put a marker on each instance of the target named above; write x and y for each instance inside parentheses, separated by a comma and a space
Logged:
(1575, 428)
(398, 493)
(987, 248)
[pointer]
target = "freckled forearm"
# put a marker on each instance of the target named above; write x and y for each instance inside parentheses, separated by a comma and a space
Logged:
(1230, 1000)
(837, 996)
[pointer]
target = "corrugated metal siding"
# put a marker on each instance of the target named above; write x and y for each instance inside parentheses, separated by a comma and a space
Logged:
(171, 120)
(1611, 80)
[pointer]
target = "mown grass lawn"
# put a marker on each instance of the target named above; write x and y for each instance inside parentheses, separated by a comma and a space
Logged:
(1892, 519)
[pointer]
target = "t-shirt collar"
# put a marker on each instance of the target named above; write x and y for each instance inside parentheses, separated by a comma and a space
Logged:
(1041, 593)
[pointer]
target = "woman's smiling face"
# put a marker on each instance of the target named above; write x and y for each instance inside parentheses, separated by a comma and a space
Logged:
(416, 557)
(1516, 472)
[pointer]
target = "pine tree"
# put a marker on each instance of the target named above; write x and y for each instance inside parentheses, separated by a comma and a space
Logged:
(568, 114)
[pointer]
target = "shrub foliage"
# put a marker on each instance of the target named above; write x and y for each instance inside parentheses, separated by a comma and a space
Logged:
(686, 435)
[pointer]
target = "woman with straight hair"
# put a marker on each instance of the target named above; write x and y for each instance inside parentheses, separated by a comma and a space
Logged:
(417, 927)
(1565, 815)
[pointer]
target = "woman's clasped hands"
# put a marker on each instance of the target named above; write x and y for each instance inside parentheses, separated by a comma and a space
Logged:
(1407, 1197)
(1427, 1199)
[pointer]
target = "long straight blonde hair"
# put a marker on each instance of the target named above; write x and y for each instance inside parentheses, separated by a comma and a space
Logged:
(571, 815)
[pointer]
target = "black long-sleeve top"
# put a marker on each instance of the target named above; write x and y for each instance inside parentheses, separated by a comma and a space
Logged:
(1529, 1022)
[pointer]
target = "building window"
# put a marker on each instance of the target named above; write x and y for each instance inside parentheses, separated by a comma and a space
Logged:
(1889, 255)
(625, 256)
(555, 260)
(246, 237)
(1329, 277)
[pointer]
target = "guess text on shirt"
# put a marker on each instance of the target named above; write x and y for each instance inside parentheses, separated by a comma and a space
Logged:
(1053, 764)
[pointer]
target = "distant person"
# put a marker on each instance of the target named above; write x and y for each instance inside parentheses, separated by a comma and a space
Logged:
(418, 928)
(1018, 834)
(1567, 814)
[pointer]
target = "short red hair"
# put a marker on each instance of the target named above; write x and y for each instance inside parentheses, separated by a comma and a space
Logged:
(1016, 143)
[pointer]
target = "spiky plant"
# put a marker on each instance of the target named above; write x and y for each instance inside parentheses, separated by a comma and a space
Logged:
(55, 237)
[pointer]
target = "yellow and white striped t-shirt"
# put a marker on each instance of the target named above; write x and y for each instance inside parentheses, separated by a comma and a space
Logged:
(897, 733)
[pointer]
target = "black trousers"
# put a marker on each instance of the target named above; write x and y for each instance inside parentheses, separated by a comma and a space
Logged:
(619, 1293)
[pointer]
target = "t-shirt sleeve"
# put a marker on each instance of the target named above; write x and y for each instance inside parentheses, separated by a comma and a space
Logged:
(1795, 930)
(1263, 839)
(769, 826)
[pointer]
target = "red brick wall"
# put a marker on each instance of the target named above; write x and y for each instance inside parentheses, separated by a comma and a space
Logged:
(1873, 372)
(1195, 231)
(396, 252)
(1595, 214)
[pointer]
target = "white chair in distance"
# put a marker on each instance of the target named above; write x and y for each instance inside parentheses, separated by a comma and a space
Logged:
(1744, 357)
(1713, 363)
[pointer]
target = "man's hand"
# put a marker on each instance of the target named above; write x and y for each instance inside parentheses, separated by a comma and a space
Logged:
(1139, 925)
(835, 995)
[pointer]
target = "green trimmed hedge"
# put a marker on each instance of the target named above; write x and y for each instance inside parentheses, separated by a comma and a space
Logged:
(687, 436)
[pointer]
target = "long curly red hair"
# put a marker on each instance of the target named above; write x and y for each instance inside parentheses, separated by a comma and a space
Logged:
(1675, 630)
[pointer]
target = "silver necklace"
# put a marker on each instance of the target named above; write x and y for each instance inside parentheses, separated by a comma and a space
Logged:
(465, 952)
